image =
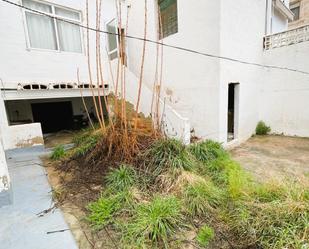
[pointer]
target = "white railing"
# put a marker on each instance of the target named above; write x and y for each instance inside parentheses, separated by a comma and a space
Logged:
(287, 38)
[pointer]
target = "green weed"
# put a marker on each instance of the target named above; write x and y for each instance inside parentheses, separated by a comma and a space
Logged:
(105, 208)
(205, 235)
(207, 151)
(86, 145)
(201, 197)
(155, 222)
(262, 128)
(121, 179)
(168, 155)
(58, 153)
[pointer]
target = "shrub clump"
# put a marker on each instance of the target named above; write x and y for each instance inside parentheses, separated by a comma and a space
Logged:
(262, 129)
(205, 235)
(58, 153)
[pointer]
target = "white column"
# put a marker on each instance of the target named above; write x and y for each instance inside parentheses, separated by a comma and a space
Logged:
(4, 174)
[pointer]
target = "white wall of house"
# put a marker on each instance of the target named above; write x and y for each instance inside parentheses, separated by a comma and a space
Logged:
(197, 86)
(285, 94)
(241, 40)
(190, 82)
(194, 86)
(21, 64)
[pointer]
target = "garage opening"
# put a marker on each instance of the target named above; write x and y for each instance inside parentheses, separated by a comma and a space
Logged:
(54, 116)
(233, 100)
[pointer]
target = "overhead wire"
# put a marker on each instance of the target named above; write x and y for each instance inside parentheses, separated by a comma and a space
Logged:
(160, 43)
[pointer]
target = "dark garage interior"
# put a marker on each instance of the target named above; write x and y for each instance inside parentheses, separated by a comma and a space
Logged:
(55, 116)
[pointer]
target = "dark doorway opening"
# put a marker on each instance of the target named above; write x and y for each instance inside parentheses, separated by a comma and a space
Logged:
(232, 102)
(55, 116)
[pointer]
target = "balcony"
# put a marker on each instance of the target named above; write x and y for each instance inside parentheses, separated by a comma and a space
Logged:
(286, 38)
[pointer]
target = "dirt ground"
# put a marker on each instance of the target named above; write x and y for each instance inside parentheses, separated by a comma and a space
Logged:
(269, 157)
(62, 137)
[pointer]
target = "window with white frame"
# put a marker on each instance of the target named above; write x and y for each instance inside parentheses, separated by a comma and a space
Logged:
(112, 40)
(45, 32)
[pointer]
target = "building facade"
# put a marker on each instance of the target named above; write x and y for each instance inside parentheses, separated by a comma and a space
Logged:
(223, 66)
(300, 9)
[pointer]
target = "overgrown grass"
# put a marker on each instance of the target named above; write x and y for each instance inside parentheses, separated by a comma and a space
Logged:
(201, 197)
(167, 155)
(58, 153)
(207, 151)
(267, 215)
(262, 128)
(154, 222)
(84, 144)
(205, 235)
(272, 225)
(106, 207)
(122, 178)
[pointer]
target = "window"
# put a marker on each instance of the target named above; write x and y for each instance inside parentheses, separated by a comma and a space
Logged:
(169, 17)
(295, 8)
(48, 33)
(112, 41)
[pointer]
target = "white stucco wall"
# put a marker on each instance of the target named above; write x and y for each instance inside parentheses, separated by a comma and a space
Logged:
(285, 94)
(241, 40)
(19, 64)
(190, 82)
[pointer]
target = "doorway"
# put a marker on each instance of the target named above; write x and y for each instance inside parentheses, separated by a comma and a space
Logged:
(233, 100)
(53, 116)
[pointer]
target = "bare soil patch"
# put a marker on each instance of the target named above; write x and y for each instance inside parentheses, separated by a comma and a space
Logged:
(59, 138)
(269, 157)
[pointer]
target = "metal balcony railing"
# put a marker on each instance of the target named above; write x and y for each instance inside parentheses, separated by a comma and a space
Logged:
(287, 38)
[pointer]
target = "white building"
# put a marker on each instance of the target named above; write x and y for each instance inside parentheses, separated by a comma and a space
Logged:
(220, 93)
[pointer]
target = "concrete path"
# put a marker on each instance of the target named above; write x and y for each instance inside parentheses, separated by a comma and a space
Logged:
(22, 225)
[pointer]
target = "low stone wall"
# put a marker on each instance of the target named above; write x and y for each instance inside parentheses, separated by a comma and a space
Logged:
(22, 136)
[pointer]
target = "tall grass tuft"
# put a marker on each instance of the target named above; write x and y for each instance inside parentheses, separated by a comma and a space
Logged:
(205, 235)
(121, 179)
(274, 225)
(167, 155)
(106, 207)
(85, 145)
(201, 197)
(207, 151)
(155, 222)
(58, 153)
